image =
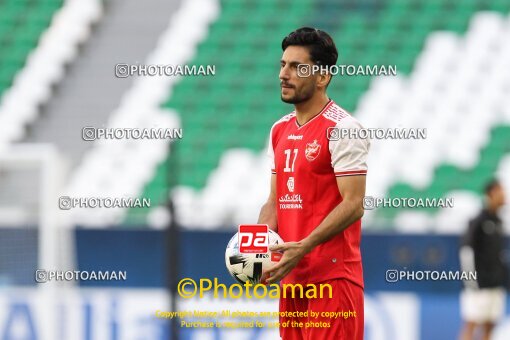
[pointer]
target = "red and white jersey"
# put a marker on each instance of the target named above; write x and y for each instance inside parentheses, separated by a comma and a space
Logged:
(306, 161)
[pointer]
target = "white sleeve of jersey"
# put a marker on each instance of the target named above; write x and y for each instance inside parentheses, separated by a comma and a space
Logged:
(348, 155)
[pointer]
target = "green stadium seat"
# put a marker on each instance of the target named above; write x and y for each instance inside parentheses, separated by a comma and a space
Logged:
(21, 24)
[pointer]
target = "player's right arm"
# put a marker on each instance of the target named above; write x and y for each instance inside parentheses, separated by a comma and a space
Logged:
(268, 211)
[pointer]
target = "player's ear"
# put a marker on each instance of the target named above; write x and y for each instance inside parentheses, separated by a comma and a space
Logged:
(323, 80)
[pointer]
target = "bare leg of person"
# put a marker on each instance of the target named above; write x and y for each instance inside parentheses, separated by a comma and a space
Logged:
(468, 331)
(487, 330)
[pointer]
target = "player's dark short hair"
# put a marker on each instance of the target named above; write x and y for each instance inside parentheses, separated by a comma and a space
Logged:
(320, 44)
(491, 185)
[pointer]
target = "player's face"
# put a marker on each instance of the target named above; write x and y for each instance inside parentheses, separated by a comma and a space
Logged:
(498, 196)
(296, 89)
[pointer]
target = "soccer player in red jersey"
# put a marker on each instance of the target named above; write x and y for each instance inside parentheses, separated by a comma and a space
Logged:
(317, 190)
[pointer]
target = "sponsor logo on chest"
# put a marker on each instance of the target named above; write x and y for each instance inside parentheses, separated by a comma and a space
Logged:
(290, 184)
(294, 137)
(291, 201)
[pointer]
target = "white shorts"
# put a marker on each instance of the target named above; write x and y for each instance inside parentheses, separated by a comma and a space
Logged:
(483, 305)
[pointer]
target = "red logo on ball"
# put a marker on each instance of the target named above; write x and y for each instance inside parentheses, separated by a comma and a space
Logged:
(253, 238)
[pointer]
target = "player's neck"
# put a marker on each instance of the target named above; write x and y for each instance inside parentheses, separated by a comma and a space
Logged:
(492, 208)
(309, 109)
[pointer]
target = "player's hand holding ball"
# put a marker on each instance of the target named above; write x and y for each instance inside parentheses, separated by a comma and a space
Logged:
(293, 252)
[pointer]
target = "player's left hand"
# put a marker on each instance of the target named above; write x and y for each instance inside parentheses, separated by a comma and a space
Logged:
(293, 252)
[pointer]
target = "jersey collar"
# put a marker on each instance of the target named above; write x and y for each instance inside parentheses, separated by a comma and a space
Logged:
(328, 104)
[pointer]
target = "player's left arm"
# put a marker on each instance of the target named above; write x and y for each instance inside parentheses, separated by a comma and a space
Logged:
(352, 189)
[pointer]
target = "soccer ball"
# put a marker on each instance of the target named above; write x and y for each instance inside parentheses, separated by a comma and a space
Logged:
(249, 266)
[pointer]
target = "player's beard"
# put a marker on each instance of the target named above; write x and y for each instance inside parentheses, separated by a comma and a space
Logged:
(301, 95)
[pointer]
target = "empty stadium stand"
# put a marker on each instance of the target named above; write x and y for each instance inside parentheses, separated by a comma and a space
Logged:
(452, 60)
(425, 47)
(21, 24)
